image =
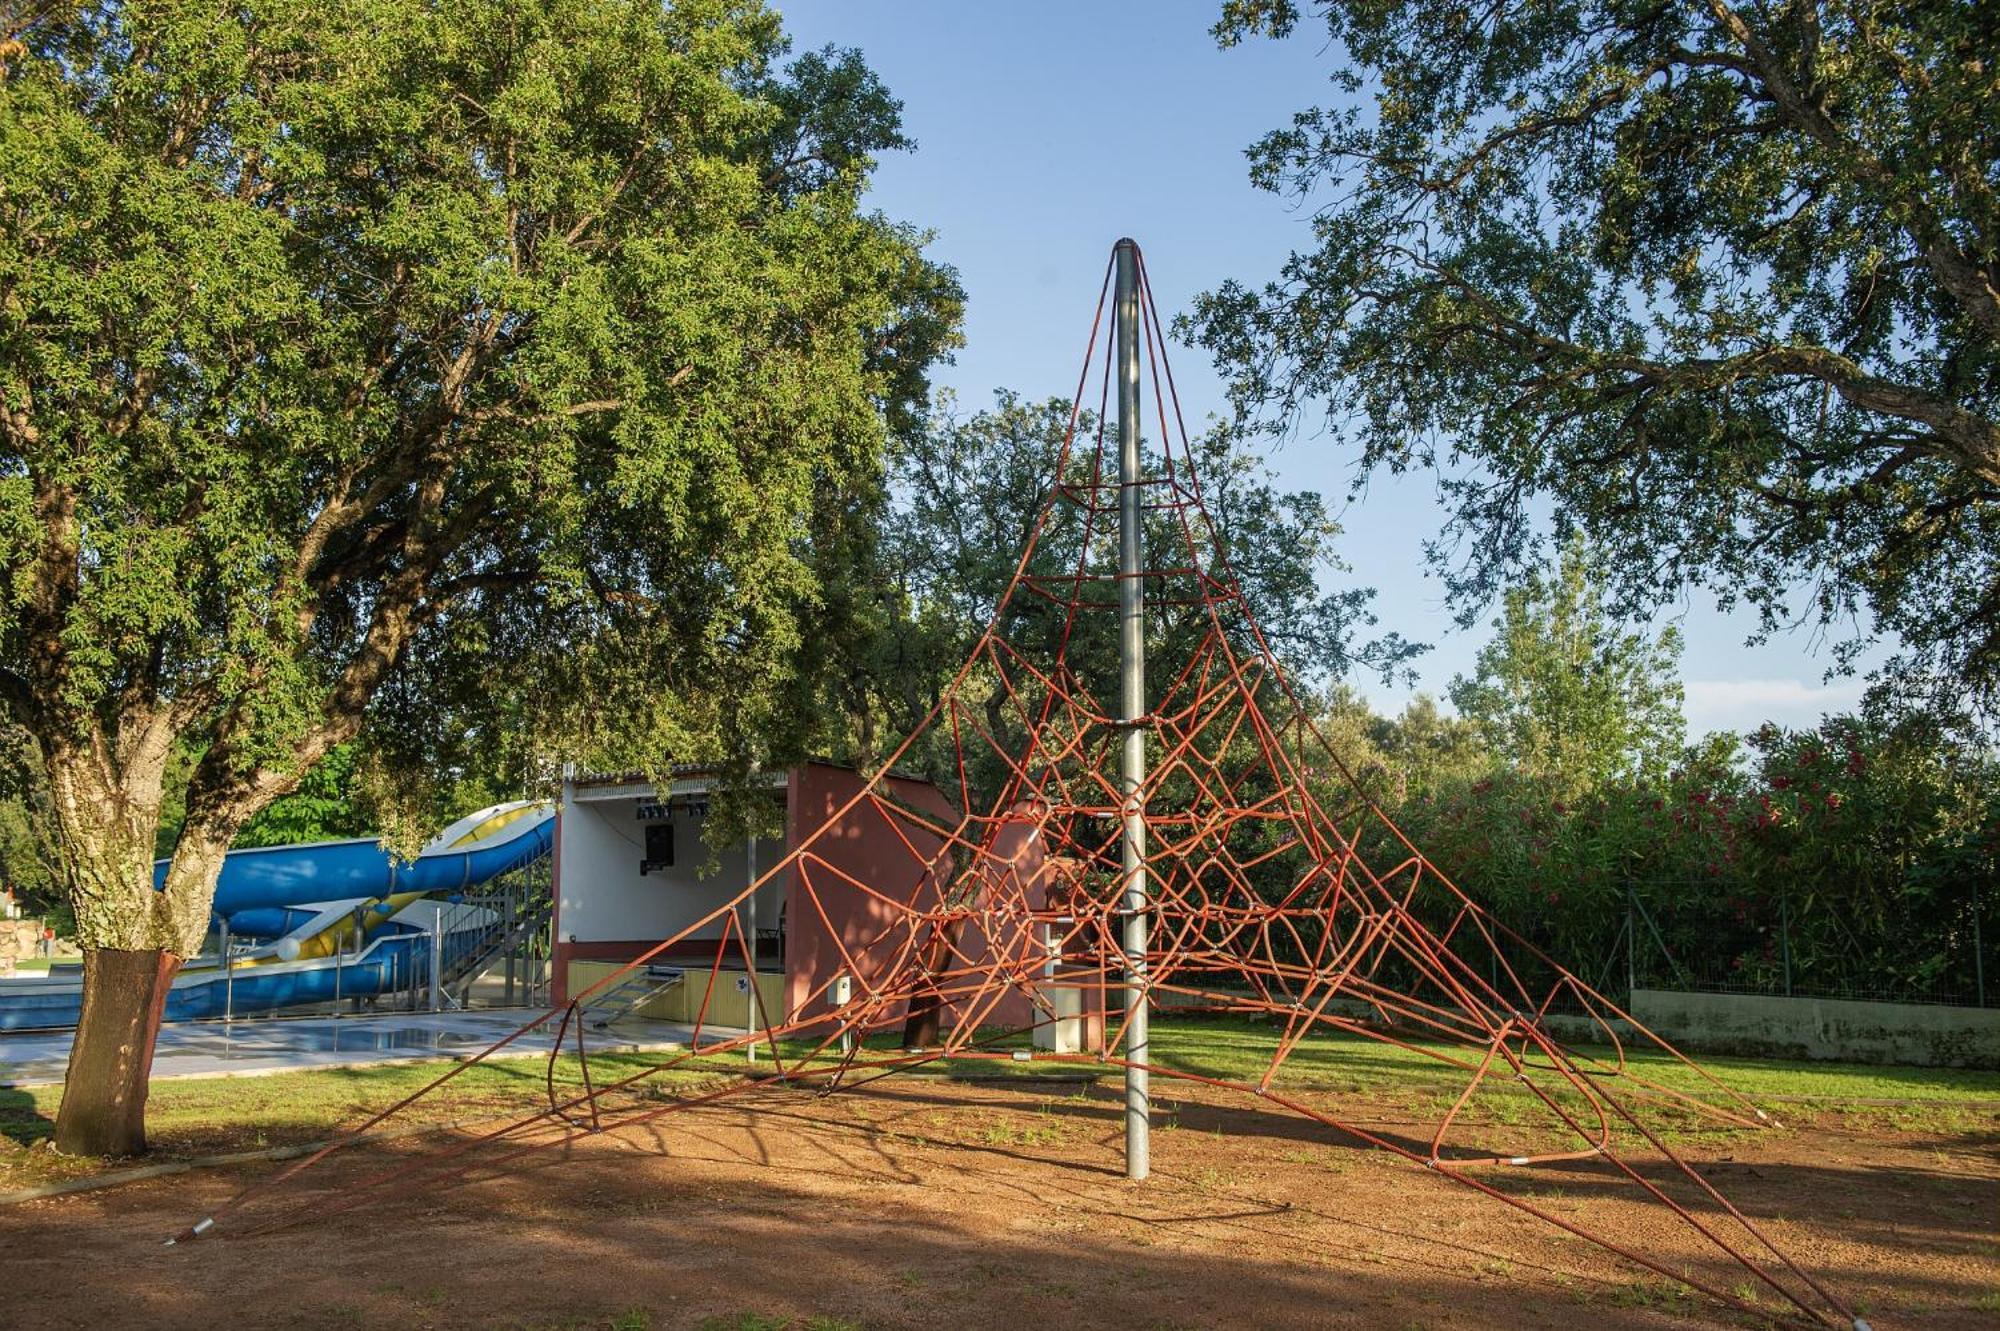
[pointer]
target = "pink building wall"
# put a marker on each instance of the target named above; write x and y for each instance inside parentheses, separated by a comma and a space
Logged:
(863, 931)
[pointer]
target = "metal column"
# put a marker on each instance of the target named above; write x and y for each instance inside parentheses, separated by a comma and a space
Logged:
(1132, 710)
(752, 1007)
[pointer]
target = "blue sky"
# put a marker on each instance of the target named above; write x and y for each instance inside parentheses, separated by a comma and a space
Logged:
(1047, 130)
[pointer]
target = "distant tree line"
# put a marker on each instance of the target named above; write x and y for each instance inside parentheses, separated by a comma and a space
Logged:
(1854, 856)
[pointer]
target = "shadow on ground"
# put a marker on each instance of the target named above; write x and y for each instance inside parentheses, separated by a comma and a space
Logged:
(946, 1206)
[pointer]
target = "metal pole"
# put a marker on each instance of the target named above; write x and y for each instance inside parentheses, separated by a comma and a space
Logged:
(1631, 946)
(437, 959)
(515, 905)
(1132, 710)
(1785, 937)
(1978, 949)
(751, 1005)
(228, 977)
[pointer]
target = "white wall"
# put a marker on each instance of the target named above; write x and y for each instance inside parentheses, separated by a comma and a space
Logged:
(604, 897)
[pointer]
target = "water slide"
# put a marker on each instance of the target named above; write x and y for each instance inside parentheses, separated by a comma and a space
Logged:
(327, 920)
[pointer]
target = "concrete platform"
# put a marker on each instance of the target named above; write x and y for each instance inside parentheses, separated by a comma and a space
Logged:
(262, 1046)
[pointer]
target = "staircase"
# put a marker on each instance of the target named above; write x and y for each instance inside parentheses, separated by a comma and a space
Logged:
(630, 994)
(522, 909)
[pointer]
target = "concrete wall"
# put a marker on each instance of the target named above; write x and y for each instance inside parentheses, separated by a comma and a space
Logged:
(1924, 1035)
(1914, 1034)
(858, 871)
(855, 870)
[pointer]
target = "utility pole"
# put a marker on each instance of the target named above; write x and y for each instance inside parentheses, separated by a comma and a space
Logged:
(1132, 711)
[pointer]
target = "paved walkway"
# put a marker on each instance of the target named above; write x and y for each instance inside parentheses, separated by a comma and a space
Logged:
(252, 1047)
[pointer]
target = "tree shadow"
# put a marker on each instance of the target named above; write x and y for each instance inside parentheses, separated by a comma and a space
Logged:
(21, 1120)
(822, 1208)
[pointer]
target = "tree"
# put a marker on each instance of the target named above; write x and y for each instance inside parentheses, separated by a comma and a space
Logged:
(1717, 285)
(351, 349)
(1429, 750)
(969, 493)
(1563, 694)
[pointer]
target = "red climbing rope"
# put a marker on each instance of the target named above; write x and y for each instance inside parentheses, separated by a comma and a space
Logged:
(1278, 889)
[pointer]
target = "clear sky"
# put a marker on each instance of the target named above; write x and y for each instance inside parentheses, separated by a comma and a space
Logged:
(1045, 130)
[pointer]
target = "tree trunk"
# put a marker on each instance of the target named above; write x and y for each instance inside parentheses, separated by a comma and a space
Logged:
(105, 807)
(926, 1010)
(104, 1098)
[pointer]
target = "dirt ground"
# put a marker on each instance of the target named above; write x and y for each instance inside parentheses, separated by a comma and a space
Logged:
(941, 1204)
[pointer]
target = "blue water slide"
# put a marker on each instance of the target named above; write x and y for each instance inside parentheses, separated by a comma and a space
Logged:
(395, 961)
(293, 893)
(277, 876)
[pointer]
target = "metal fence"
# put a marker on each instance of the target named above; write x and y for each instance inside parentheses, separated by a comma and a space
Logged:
(1698, 936)
(1937, 950)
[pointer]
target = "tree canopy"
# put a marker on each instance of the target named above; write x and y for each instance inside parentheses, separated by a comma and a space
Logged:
(1717, 287)
(1569, 696)
(446, 366)
(341, 337)
(969, 492)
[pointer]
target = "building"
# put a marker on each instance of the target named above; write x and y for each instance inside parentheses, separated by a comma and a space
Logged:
(632, 870)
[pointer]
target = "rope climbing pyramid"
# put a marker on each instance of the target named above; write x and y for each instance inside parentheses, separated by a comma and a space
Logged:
(1091, 858)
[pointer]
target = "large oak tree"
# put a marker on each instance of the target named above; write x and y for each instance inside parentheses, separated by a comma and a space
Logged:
(1716, 284)
(355, 353)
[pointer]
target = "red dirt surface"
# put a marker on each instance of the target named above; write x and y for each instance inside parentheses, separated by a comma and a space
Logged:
(934, 1204)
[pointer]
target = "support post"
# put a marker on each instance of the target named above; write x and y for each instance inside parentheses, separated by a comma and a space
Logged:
(1978, 949)
(437, 959)
(228, 977)
(752, 1007)
(839, 995)
(1132, 710)
(1785, 937)
(1631, 946)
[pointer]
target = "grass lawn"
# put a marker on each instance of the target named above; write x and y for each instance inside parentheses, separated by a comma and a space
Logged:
(28, 965)
(201, 1117)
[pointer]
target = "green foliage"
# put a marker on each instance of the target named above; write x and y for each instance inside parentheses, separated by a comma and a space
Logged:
(1854, 855)
(1429, 750)
(325, 807)
(972, 490)
(476, 380)
(28, 858)
(1565, 695)
(1714, 286)
(1857, 856)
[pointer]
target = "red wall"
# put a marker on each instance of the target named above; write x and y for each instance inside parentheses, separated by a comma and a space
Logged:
(874, 847)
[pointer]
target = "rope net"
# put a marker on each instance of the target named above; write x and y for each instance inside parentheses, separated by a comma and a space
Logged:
(1276, 889)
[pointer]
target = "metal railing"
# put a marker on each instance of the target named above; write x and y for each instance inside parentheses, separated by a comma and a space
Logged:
(1698, 936)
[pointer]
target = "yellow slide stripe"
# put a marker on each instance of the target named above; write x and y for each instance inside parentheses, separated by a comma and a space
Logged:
(491, 825)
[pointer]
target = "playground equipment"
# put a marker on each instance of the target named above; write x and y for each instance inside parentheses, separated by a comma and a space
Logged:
(1199, 842)
(333, 921)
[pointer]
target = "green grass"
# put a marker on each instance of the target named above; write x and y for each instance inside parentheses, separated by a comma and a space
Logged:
(39, 965)
(209, 1116)
(198, 1117)
(1241, 1049)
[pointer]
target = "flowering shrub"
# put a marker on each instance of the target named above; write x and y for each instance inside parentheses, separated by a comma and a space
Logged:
(1851, 858)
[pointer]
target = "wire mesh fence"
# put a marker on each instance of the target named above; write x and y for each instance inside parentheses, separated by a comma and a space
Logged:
(1818, 941)
(1834, 941)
